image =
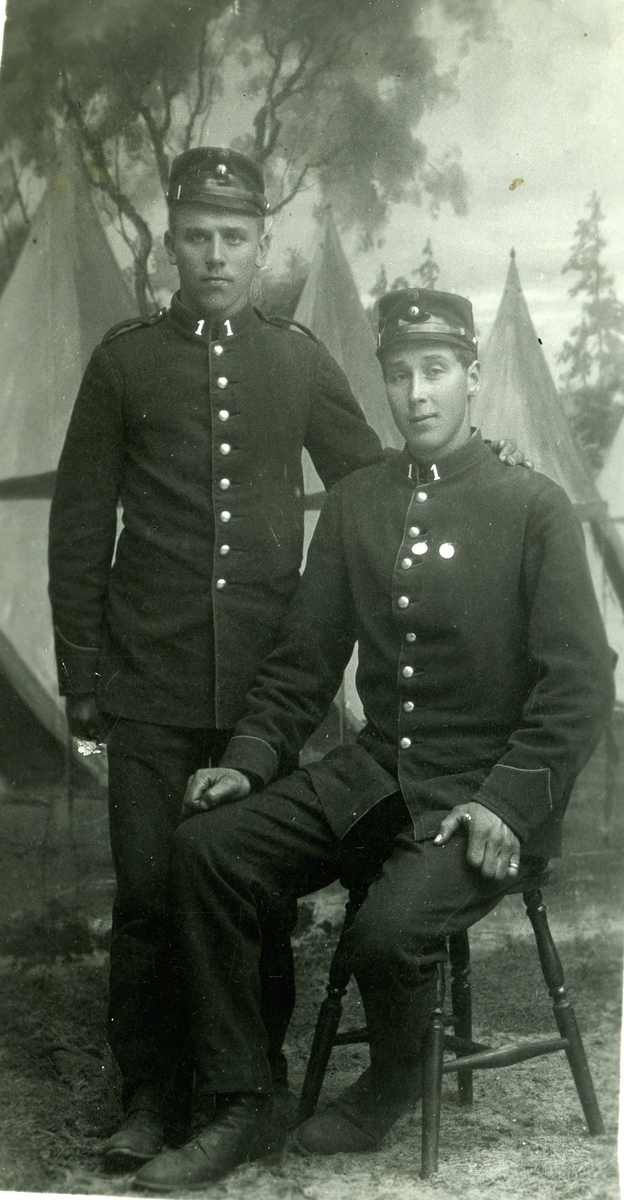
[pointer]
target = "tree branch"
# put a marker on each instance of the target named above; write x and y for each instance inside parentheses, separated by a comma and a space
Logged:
(101, 177)
(292, 193)
(157, 139)
(200, 99)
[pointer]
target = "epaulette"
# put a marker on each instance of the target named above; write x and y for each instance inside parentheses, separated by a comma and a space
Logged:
(287, 323)
(133, 323)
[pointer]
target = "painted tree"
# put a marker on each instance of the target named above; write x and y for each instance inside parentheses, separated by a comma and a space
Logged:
(326, 96)
(428, 272)
(592, 381)
(425, 275)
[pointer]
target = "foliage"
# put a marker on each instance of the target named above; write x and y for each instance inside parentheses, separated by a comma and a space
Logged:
(426, 275)
(428, 272)
(593, 380)
(327, 96)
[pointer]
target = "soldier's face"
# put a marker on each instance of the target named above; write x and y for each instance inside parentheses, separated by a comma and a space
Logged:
(217, 254)
(429, 393)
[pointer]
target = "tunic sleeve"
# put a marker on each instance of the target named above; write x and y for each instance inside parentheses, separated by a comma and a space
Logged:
(569, 703)
(83, 523)
(338, 438)
(298, 681)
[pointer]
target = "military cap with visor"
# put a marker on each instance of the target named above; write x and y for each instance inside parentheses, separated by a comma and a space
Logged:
(423, 315)
(218, 178)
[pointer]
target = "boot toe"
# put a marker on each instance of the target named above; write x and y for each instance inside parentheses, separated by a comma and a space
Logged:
(331, 1132)
(237, 1135)
(176, 1169)
(139, 1139)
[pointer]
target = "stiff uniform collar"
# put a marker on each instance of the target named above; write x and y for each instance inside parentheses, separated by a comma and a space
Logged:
(188, 323)
(431, 472)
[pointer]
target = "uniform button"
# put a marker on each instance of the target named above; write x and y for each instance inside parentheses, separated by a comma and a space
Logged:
(225, 448)
(413, 531)
(224, 484)
(403, 601)
(224, 551)
(405, 743)
(225, 517)
(420, 548)
(218, 349)
(447, 550)
(223, 414)
(410, 637)
(406, 563)
(407, 672)
(408, 706)
(421, 497)
(222, 383)
(220, 584)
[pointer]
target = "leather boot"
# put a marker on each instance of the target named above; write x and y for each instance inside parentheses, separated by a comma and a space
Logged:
(361, 1117)
(239, 1132)
(141, 1135)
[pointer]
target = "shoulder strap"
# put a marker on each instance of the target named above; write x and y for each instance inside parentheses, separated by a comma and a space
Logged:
(133, 323)
(287, 323)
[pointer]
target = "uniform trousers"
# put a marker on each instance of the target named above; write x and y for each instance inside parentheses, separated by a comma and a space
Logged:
(242, 863)
(149, 766)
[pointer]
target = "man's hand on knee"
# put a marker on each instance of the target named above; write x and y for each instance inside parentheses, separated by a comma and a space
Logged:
(492, 846)
(212, 786)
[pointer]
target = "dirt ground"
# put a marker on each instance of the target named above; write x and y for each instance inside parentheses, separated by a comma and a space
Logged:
(525, 1136)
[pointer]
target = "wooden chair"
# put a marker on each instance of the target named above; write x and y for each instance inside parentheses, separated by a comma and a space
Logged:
(469, 1055)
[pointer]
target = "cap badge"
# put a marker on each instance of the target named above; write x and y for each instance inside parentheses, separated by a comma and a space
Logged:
(414, 311)
(221, 171)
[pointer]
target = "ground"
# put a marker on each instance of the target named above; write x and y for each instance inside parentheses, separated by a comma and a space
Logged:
(525, 1136)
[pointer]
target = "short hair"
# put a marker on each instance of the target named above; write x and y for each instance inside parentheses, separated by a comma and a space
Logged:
(464, 356)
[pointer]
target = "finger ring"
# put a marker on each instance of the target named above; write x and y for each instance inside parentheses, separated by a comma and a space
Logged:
(467, 817)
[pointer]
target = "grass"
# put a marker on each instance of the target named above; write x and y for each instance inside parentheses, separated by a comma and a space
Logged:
(523, 1139)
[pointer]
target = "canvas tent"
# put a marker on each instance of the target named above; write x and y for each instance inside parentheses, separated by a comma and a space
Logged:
(331, 307)
(66, 290)
(610, 482)
(518, 398)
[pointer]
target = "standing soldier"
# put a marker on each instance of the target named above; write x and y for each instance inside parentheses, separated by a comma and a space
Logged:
(194, 422)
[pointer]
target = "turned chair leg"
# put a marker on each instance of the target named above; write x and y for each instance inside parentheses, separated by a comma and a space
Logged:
(461, 1001)
(328, 1020)
(433, 1056)
(563, 1011)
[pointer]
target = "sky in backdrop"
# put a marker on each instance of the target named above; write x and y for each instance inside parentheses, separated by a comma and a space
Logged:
(542, 101)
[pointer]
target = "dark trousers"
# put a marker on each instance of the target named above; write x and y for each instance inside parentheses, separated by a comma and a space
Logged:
(241, 863)
(149, 766)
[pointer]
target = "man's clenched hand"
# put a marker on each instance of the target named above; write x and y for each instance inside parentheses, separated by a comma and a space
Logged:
(211, 786)
(509, 453)
(83, 717)
(491, 844)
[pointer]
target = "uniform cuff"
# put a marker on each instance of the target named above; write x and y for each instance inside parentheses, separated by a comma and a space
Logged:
(520, 797)
(76, 665)
(253, 755)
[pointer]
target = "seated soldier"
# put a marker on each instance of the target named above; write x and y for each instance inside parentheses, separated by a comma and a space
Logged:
(485, 679)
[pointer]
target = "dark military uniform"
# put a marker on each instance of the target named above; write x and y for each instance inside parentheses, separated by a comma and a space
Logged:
(484, 674)
(197, 431)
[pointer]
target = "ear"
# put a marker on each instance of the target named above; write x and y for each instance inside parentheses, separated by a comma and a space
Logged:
(169, 241)
(474, 379)
(263, 249)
